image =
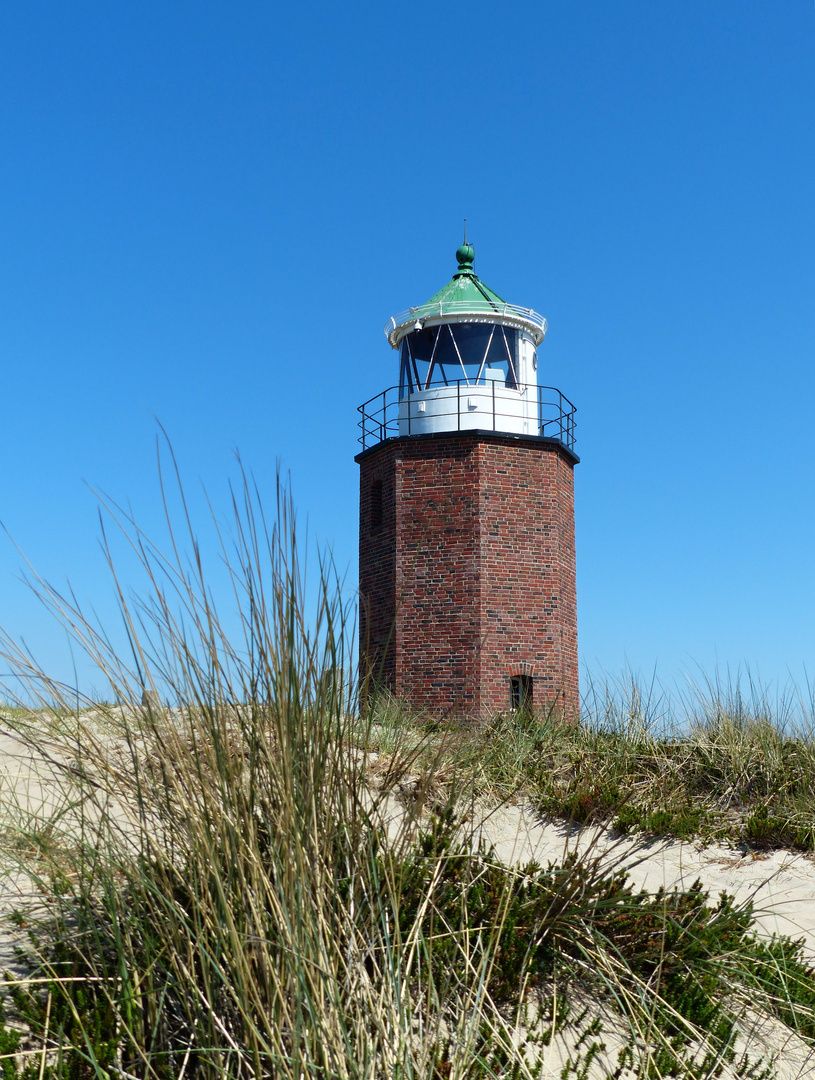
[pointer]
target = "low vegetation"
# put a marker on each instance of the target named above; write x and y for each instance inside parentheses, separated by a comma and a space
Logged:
(228, 887)
(721, 765)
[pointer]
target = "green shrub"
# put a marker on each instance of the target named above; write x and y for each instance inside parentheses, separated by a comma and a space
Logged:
(764, 829)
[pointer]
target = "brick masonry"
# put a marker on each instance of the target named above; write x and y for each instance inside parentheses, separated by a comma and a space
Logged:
(467, 571)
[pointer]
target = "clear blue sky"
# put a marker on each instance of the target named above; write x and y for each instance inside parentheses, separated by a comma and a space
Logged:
(208, 211)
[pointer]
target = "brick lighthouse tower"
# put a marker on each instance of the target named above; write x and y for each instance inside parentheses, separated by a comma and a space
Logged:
(466, 525)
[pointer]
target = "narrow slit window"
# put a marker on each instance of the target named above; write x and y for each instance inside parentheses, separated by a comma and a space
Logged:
(520, 692)
(377, 510)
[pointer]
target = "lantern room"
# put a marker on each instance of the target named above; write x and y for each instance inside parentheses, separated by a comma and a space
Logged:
(468, 360)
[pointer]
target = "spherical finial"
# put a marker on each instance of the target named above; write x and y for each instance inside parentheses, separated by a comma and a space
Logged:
(465, 256)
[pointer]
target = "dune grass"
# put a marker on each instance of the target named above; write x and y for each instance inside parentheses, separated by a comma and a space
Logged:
(235, 891)
(722, 764)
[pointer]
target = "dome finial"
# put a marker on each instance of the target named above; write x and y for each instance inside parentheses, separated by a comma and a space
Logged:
(465, 255)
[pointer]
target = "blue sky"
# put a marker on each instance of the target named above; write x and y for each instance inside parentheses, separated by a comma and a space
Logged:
(210, 210)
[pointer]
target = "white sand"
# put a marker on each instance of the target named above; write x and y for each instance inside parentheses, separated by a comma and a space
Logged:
(780, 884)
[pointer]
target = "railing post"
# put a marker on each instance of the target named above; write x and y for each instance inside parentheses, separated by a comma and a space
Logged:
(493, 404)
(458, 404)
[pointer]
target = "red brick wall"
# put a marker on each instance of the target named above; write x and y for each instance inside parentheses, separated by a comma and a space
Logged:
(470, 578)
(527, 568)
(377, 566)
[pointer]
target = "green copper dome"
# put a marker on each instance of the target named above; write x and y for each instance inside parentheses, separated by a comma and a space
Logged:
(465, 287)
(466, 297)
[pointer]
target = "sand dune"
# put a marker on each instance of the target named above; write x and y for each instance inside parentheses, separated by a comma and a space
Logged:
(780, 884)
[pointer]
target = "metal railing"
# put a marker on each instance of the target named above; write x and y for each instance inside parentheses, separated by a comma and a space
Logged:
(548, 413)
(464, 307)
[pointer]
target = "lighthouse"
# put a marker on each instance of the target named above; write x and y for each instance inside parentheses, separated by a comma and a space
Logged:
(468, 603)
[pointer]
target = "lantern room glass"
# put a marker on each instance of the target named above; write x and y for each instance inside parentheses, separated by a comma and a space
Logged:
(474, 353)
